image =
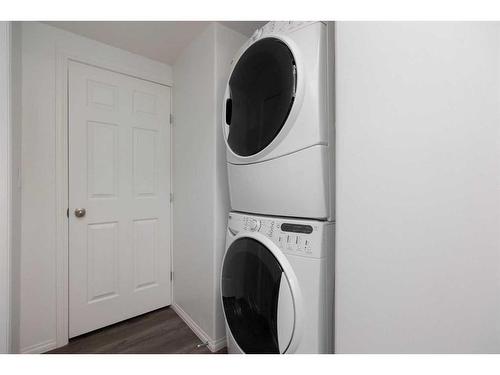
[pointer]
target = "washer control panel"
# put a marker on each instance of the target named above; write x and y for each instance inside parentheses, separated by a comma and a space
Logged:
(292, 236)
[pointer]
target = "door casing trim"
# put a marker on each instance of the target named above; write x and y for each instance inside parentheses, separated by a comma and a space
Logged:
(63, 57)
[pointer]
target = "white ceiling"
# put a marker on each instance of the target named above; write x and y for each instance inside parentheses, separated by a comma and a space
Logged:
(159, 40)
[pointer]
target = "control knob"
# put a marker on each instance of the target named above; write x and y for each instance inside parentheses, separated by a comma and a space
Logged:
(253, 225)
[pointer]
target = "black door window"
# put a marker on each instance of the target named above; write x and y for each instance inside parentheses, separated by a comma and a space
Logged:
(251, 278)
(262, 89)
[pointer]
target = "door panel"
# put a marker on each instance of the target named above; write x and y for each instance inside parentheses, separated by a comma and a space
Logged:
(145, 253)
(119, 171)
(145, 171)
(102, 153)
(102, 258)
(252, 281)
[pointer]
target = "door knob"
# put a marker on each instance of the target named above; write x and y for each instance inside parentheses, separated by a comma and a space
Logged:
(80, 212)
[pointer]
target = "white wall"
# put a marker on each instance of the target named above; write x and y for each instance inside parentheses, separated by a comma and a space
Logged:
(227, 43)
(193, 177)
(5, 178)
(200, 180)
(16, 107)
(40, 45)
(418, 199)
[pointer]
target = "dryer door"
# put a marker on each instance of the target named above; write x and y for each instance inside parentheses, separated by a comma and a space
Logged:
(257, 298)
(261, 94)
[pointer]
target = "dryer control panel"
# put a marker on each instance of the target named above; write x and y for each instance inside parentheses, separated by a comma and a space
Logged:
(280, 27)
(293, 236)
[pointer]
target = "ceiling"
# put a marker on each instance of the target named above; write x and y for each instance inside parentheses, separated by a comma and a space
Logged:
(159, 40)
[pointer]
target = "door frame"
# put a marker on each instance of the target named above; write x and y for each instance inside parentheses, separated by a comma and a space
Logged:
(63, 57)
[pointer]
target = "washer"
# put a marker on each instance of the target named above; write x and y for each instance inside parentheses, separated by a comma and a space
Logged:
(278, 121)
(277, 285)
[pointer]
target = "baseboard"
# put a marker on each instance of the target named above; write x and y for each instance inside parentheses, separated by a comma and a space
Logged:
(216, 345)
(213, 345)
(39, 348)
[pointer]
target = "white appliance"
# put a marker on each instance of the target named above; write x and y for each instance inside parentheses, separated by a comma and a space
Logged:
(278, 121)
(277, 285)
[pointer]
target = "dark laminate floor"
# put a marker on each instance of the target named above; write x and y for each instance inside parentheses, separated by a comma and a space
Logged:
(157, 332)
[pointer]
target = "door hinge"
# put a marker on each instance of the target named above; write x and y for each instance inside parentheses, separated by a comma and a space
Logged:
(171, 197)
(172, 119)
(67, 212)
(171, 275)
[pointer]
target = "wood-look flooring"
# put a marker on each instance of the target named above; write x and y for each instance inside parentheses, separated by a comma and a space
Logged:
(158, 332)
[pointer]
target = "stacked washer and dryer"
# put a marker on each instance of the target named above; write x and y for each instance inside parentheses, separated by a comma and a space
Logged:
(277, 281)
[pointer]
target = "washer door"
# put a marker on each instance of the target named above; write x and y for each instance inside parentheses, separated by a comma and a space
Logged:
(257, 298)
(261, 94)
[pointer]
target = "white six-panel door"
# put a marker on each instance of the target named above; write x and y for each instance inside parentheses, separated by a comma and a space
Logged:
(119, 172)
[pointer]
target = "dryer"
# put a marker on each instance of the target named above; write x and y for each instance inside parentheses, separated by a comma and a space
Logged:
(277, 285)
(278, 121)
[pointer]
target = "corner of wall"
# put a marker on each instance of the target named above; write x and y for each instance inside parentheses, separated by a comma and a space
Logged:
(227, 43)
(16, 71)
(202, 84)
(194, 185)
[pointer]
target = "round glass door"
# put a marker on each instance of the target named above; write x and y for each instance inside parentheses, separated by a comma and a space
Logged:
(261, 95)
(256, 298)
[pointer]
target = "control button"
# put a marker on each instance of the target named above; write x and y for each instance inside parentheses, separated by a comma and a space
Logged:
(271, 228)
(307, 246)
